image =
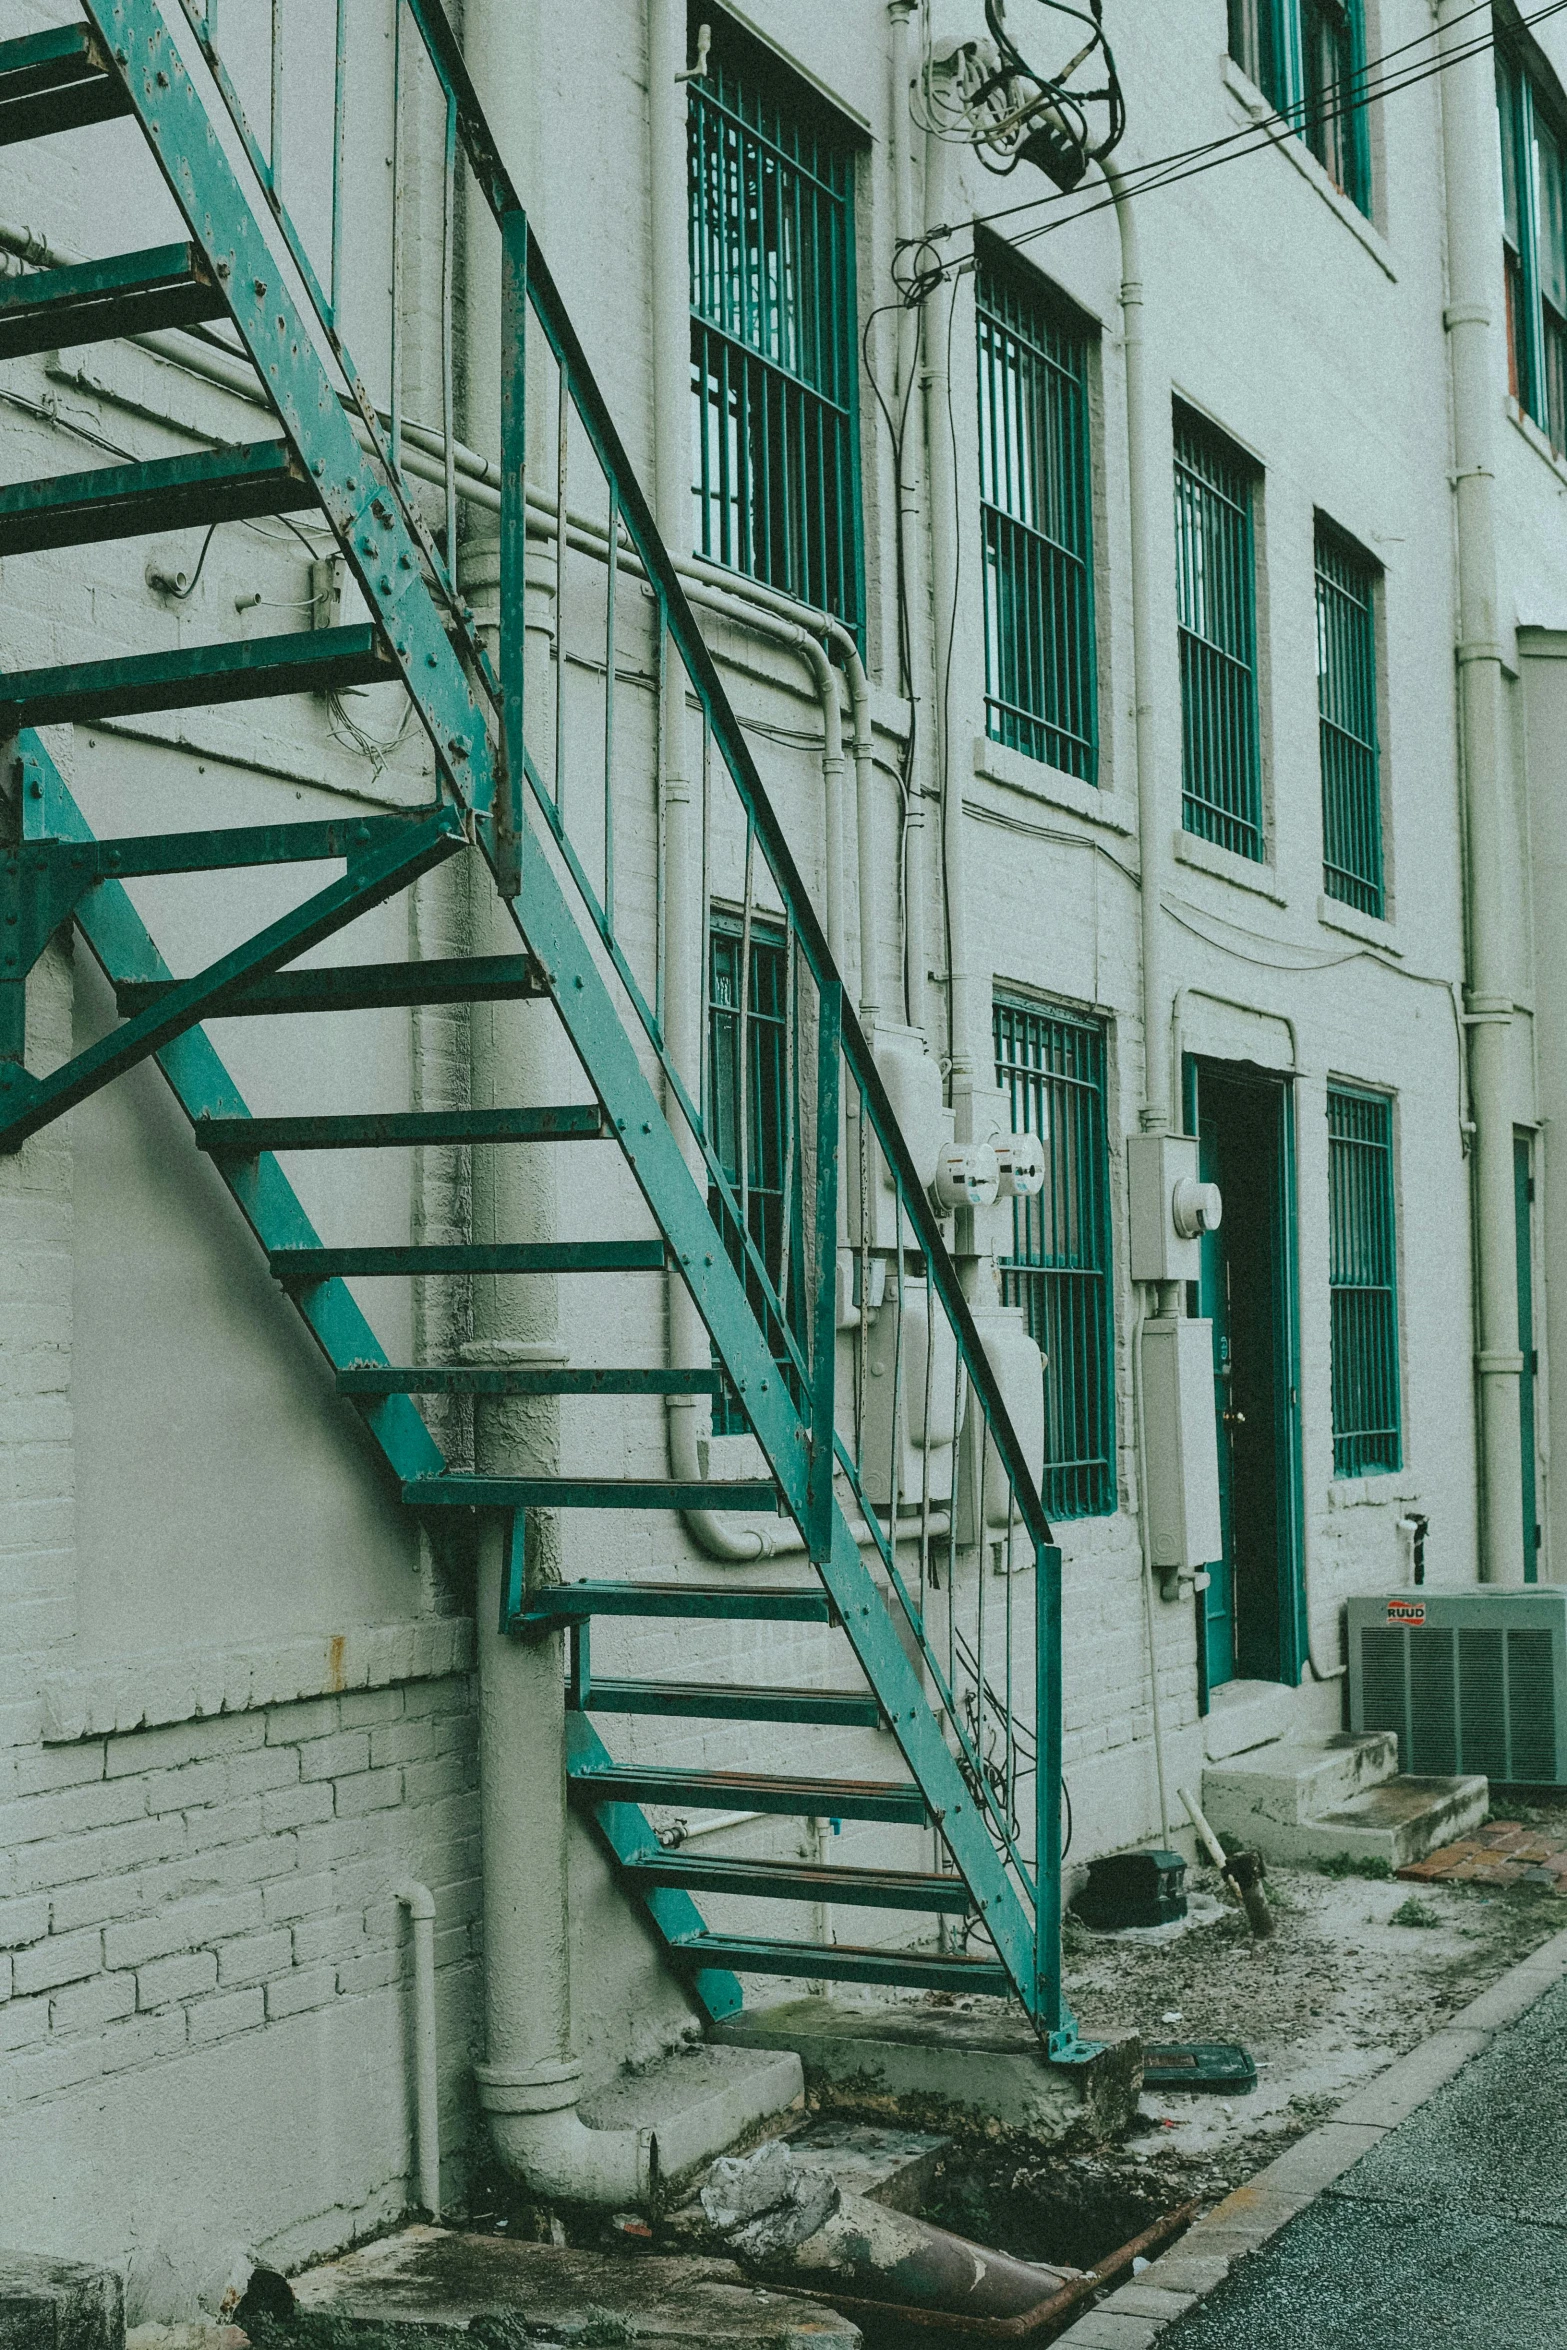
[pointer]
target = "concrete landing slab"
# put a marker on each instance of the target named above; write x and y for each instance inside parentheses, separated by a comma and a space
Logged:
(432, 2280)
(945, 2069)
(59, 2305)
(700, 2095)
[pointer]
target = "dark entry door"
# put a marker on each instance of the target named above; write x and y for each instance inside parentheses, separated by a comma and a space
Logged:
(1251, 1611)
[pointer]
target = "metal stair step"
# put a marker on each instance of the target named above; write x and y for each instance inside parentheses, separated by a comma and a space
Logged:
(794, 1880)
(175, 493)
(297, 1267)
(318, 661)
(56, 81)
(733, 1701)
(361, 987)
(97, 301)
(736, 1602)
(243, 1138)
(594, 1493)
(888, 1800)
(841, 1963)
(477, 1379)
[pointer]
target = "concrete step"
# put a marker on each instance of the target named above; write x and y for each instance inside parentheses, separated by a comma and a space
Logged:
(1288, 1785)
(1398, 1821)
(889, 2166)
(699, 2100)
(1244, 1714)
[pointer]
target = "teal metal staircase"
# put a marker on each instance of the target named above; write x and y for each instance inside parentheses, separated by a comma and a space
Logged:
(972, 1723)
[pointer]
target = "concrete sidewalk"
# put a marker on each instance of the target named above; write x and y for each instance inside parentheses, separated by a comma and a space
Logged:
(1431, 2209)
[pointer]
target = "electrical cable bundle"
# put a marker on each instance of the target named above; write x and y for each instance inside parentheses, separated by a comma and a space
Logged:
(993, 100)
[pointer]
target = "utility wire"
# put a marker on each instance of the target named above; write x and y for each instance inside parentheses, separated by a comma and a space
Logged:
(1191, 162)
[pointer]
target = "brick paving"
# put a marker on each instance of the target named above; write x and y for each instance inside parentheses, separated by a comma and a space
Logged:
(1505, 1852)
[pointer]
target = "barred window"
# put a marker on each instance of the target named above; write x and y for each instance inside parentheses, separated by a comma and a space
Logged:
(1036, 521)
(1308, 58)
(773, 329)
(749, 1070)
(1367, 1432)
(1052, 1067)
(1347, 722)
(1534, 236)
(1216, 602)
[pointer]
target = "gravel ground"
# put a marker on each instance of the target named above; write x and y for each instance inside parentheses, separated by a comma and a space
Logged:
(1358, 1971)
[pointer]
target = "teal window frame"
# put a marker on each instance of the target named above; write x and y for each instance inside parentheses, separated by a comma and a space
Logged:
(753, 1029)
(1352, 846)
(1216, 614)
(1308, 58)
(774, 329)
(1532, 125)
(1052, 1065)
(1363, 1282)
(1036, 517)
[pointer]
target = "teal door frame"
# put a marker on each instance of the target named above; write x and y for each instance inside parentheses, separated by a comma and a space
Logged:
(1217, 1657)
(1528, 1432)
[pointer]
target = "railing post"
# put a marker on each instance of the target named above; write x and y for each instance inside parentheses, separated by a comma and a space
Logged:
(514, 543)
(1051, 2013)
(824, 1302)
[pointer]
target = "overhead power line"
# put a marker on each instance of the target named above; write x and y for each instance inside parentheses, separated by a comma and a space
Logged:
(1372, 85)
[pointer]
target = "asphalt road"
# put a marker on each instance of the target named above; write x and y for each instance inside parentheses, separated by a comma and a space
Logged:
(1451, 2234)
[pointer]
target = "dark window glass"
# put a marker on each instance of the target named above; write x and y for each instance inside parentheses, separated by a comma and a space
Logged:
(1367, 1433)
(1347, 722)
(1216, 598)
(773, 333)
(1036, 523)
(1052, 1067)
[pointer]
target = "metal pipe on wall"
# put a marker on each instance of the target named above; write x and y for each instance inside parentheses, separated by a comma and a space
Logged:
(1468, 106)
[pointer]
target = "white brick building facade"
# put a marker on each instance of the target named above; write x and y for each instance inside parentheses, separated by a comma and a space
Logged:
(236, 1712)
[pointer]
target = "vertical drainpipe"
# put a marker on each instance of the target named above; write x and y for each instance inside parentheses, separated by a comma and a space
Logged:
(685, 988)
(1469, 156)
(514, 1052)
(912, 485)
(941, 473)
(1156, 1115)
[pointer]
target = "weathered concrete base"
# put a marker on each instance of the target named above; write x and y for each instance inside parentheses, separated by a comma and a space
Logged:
(944, 2069)
(891, 2167)
(59, 2305)
(431, 2280)
(698, 2101)
(1341, 1798)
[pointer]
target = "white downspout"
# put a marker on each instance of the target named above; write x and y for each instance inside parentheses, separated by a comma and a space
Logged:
(1474, 262)
(420, 1905)
(1158, 1104)
(913, 499)
(945, 557)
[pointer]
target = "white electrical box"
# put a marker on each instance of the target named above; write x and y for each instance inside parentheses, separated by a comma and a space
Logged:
(1180, 1444)
(1170, 1207)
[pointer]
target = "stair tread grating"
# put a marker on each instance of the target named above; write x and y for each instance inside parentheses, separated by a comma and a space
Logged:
(792, 1880)
(395, 1129)
(294, 1265)
(792, 1603)
(55, 81)
(99, 301)
(455, 1490)
(845, 1963)
(357, 987)
(170, 493)
(895, 1802)
(484, 1379)
(735, 1701)
(318, 660)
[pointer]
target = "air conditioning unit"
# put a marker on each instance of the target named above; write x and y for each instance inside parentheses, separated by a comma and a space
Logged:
(1471, 1680)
